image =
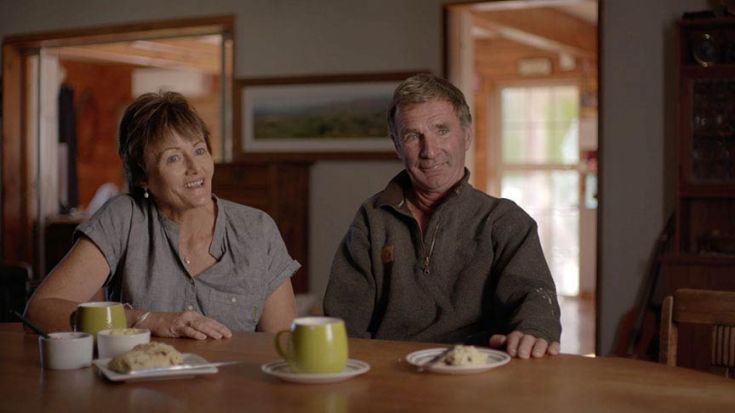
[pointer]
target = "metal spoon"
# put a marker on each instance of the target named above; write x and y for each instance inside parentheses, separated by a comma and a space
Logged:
(434, 360)
(184, 367)
(31, 325)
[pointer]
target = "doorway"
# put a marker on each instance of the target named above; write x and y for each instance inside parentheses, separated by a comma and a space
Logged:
(73, 88)
(529, 69)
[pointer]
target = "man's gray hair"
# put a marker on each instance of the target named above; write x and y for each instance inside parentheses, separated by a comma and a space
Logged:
(423, 87)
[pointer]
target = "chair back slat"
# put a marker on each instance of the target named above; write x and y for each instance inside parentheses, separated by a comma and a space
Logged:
(715, 309)
(723, 346)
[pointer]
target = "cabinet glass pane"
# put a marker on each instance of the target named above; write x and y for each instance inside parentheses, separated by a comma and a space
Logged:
(713, 131)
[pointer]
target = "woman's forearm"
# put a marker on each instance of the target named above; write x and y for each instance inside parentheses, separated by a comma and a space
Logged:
(51, 314)
(77, 278)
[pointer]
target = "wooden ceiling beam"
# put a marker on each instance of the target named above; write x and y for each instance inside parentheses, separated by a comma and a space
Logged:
(542, 28)
(153, 54)
(498, 59)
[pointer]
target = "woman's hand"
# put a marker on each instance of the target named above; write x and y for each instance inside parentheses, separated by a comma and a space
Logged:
(187, 324)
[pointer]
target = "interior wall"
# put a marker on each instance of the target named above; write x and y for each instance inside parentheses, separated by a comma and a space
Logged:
(98, 110)
(638, 95)
(335, 197)
(292, 37)
(273, 37)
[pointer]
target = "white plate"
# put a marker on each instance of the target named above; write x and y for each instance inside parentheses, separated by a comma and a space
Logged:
(189, 358)
(495, 358)
(281, 370)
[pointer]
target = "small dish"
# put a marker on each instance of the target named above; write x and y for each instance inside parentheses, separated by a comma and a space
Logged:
(66, 350)
(281, 370)
(189, 358)
(420, 358)
(113, 342)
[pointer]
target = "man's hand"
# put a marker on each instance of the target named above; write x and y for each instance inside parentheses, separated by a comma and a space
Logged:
(187, 324)
(520, 345)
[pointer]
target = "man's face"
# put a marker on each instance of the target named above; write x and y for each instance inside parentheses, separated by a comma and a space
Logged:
(432, 143)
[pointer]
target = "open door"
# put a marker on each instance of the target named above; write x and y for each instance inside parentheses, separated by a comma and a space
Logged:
(42, 201)
(530, 68)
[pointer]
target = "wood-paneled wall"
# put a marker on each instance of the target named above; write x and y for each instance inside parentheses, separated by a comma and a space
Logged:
(99, 107)
(282, 190)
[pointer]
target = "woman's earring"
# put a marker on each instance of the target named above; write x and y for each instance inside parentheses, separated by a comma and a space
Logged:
(145, 194)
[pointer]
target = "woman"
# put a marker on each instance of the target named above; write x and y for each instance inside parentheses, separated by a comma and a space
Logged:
(189, 264)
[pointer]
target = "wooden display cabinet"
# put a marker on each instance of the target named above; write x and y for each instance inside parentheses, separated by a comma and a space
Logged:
(705, 224)
(706, 181)
(704, 247)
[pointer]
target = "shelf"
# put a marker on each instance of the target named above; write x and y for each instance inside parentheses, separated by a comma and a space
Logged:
(713, 137)
(707, 22)
(691, 259)
(707, 191)
(716, 71)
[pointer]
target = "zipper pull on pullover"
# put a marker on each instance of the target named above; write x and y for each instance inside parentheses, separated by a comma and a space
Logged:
(427, 257)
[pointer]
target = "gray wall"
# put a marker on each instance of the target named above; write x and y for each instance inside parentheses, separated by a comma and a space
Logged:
(637, 116)
(295, 37)
(274, 37)
(337, 191)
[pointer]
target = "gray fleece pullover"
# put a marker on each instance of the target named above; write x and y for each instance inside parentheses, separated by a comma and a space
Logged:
(477, 270)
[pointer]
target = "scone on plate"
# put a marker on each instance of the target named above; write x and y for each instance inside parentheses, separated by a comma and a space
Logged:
(464, 356)
(146, 356)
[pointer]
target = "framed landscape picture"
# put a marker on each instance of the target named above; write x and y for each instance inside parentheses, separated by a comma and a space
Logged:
(332, 116)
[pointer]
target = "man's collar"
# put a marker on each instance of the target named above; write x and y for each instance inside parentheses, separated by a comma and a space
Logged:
(395, 192)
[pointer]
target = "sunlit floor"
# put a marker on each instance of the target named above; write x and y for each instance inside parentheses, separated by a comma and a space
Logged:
(578, 325)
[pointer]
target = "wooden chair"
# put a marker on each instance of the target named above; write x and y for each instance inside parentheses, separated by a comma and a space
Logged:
(714, 308)
(14, 280)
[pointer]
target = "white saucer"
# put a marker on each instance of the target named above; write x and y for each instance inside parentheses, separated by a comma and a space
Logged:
(281, 370)
(189, 358)
(495, 358)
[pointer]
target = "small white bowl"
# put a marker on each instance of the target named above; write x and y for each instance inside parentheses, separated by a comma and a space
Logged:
(111, 343)
(66, 350)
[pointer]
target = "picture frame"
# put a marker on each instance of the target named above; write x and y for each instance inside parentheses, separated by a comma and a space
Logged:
(314, 117)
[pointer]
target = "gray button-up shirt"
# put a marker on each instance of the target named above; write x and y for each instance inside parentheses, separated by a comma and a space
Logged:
(147, 271)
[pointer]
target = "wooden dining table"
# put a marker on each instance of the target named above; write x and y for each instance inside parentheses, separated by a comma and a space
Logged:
(564, 383)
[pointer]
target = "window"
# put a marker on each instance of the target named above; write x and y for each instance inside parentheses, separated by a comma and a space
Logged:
(539, 170)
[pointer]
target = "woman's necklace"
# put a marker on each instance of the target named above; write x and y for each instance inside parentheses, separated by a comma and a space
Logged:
(188, 254)
(195, 249)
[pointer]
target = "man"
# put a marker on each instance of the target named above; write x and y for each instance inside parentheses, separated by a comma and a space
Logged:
(430, 258)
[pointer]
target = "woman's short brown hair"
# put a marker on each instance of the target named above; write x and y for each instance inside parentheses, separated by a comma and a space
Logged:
(150, 118)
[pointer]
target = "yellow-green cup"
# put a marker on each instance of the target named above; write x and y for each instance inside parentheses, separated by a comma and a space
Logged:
(95, 316)
(315, 345)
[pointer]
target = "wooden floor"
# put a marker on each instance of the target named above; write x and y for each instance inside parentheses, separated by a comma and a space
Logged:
(578, 325)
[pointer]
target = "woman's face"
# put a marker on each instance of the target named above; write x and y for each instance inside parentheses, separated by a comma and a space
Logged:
(179, 173)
